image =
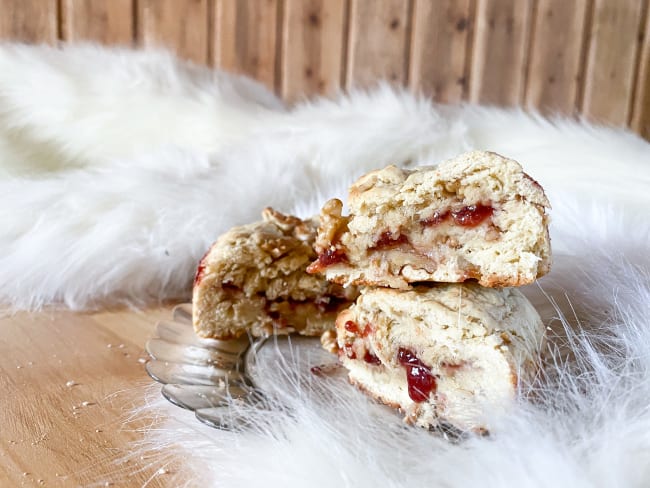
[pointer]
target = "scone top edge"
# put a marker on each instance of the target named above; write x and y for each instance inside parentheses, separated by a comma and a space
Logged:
(273, 230)
(474, 177)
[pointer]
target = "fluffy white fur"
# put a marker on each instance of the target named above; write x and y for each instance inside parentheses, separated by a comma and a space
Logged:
(117, 170)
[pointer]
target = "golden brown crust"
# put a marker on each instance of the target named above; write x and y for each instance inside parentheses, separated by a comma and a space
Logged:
(367, 391)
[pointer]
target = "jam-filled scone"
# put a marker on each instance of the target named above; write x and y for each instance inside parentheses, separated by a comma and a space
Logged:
(253, 280)
(478, 216)
(443, 354)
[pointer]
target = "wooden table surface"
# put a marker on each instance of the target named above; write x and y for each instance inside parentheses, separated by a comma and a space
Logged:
(56, 433)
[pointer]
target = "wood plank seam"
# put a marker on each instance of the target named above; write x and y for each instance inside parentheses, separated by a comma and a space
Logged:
(584, 56)
(528, 39)
(641, 115)
(643, 19)
(279, 53)
(408, 33)
(212, 33)
(469, 47)
(59, 20)
(529, 50)
(137, 34)
(345, 45)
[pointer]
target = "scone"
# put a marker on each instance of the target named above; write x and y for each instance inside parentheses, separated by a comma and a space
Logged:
(478, 216)
(444, 354)
(253, 281)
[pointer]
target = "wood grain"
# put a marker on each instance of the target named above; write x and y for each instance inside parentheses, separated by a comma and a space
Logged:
(245, 39)
(378, 47)
(33, 21)
(555, 56)
(609, 73)
(312, 46)
(640, 120)
(181, 25)
(439, 48)
(103, 21)
(48, 433)
(499, 51)
(587, 57)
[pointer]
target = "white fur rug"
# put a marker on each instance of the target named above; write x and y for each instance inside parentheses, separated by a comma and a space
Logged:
(118, 169)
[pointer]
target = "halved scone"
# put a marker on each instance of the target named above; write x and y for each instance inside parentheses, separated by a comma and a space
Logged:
(444, 354)
(253, 281)
(478, 216)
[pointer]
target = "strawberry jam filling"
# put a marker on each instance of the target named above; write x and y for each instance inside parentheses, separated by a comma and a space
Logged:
(370, 358)
(198, 277)
(418, 376)
(468, 216)
(472, 215)
(357, 346)
(353, 327)
(327, 258)
(349, 351)
(200, 270)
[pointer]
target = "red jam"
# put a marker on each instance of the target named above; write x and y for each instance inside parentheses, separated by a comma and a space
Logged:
(200, 269)
(387, 239)
(469, 216)
(349, 352)
(418, 376)
(328, 258)
(370, 358)
(351, 327)
(199, 273)
(437, 218)
(472, 215)
(366, 330)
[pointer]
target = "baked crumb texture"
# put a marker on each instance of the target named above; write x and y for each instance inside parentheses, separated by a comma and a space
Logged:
(253, 280)
(478, 216)
(444, 354)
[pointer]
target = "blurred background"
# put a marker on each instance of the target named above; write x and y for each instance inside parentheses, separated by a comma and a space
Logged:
(586, 58)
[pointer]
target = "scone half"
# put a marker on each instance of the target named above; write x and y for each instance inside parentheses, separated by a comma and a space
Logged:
(478, 216)
(253, 281)
(443, 354)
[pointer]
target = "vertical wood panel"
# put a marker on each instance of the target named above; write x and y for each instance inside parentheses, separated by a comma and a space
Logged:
(610, 64)
(29, 20)
(181, 25)
(312, 47)
(439, 44)
(105, 21)
(245, 38)
(500, 51)
(555, 55)
(378, 47)
(641, 108)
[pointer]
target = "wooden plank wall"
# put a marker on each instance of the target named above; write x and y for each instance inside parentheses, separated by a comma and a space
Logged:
(574, 57)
